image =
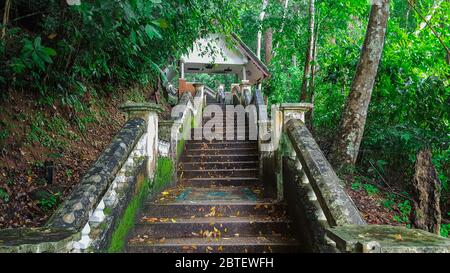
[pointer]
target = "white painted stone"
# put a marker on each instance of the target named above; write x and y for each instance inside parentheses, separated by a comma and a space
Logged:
(163, 148)
(73, 2)
(120, 178)
(320, 215)
(129, 162)
(110, 198)
(98, 216)
(312, 196)
(228, 98)
(85, 240)
(304, 178)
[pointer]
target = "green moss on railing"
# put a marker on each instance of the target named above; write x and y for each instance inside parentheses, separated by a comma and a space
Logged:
(180, 147)
(163, 174)
(126, 224)
(163, 177)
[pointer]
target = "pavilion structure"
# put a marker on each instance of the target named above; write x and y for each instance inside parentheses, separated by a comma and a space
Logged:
(220, 54)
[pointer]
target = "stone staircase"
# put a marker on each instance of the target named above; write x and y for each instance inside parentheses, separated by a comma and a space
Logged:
(218, 206)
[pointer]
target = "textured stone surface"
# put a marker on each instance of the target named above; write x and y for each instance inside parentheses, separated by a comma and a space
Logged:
(309, 229)
(336, 204)
(32, 240)
(387, 239)
(134, 108)
(76, 209)
(186, 98)
(123, 194)
(165, 129)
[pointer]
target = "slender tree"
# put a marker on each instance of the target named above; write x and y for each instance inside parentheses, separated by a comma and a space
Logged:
(348, 139)
(309, 53)
(6, 17)
(268, 36)
(268, 44)
(310, 114)
(261, 19)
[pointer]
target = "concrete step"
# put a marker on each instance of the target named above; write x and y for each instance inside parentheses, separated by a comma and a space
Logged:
(183, 166)
(221, 145)
(219, 157)
(228, 122)
(261, 244)
(208, 194)
(223, 134)
(225, 182)
(222, 151)
(224, 127)
(224, 208)
(211, 226)
(225, 142)
(220, 138)
(218, 173)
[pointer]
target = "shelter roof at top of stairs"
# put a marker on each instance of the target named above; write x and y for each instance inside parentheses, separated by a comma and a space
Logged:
(219, 54)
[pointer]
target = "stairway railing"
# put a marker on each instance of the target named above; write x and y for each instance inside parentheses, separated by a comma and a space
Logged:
(211, 92)
(325, 217)
(185, 116)
(335, 203)
(87, 217)
(293, 167)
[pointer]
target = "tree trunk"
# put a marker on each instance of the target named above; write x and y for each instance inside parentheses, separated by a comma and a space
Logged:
(261, 19)
(285, 10)
(408, 12)
(7, 9)
(348, 140)
(268, 44)
(294, 60)
(309, 53)
(310, 114)
(427, 191)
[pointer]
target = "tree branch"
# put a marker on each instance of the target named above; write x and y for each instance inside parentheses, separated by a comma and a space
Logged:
(430, 26)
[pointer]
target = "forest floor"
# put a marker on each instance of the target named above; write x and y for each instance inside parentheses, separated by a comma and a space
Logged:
(32, 135)
(372, 209)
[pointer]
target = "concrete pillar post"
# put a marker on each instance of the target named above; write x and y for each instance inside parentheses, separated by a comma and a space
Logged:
(149, 113)
(246, 92)
(182, 69)
(295, 111)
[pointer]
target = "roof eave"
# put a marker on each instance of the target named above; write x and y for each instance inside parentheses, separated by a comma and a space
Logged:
(251, 55)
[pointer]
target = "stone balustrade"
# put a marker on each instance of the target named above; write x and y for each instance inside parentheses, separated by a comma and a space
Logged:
(337, 206)
(86, 219)
(185, 116)
(293, 167)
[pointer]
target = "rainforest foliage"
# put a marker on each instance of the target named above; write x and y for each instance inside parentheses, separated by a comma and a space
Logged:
(63, 48)
(64, 53)
(410, 105)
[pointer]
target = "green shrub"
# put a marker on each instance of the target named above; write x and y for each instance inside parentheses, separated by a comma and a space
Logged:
(371, 189)
(50, 202)
(48, 131)
(405, 213)
(4, 195)
(356, 186)
(445, 230)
